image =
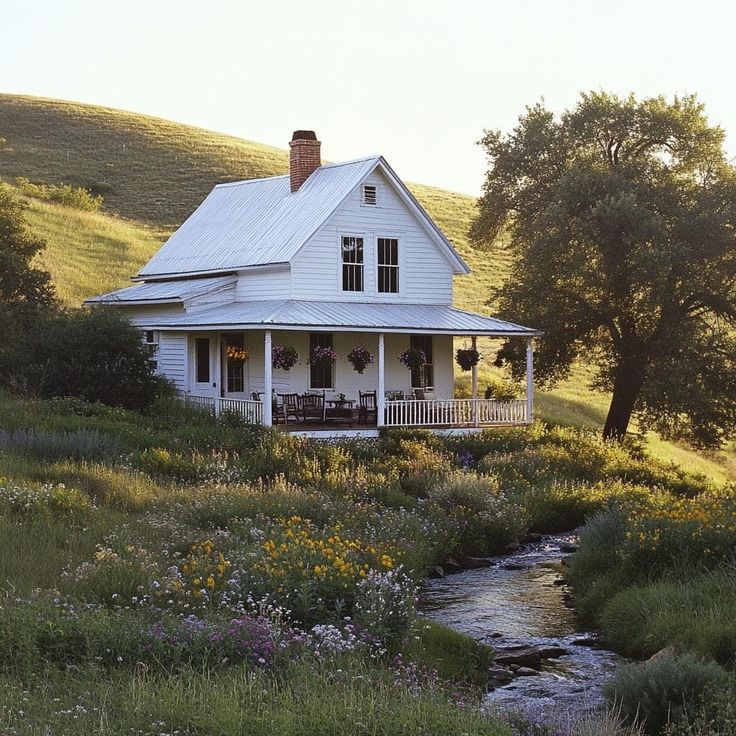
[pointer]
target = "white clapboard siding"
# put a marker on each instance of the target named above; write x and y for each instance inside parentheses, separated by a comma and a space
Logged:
(144, 315)
(222, 295)
(172, 358)
(266, 283)
(425, 274)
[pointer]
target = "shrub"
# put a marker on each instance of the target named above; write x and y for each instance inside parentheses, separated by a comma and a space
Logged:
(716, 717)
(455, 656)
(565, 505)
(77, 197)
(48, 501)
(500, 390)
(78, 444)
(384, 604)
(96, 356)
(488, 520)
(595, 572)
(314, 572)
(662, 690)
(695, 611)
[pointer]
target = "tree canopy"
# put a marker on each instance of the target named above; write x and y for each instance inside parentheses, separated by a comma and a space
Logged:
(621, 216)
(25, 291)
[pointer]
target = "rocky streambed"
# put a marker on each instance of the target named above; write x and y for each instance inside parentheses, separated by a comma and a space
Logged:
(517, 604)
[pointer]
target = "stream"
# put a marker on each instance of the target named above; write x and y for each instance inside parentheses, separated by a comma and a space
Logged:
(517, 602)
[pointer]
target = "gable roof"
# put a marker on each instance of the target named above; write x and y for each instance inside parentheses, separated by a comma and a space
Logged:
(261, 222)
(163, 292)
(294, 314)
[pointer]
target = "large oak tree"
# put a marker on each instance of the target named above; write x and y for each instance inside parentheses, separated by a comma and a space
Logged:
(621, 217)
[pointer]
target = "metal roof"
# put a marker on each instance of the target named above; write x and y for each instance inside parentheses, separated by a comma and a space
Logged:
(162, 291)
(262, 222)
(295, 314)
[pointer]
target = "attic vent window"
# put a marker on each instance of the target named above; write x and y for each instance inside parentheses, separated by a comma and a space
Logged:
(369, 194)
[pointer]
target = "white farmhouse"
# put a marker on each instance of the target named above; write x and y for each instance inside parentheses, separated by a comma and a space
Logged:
(310, 266)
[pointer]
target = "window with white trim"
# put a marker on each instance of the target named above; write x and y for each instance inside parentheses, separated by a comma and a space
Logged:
(388, 265)
(422, 376)
(235, 369)
(321, 375)
(370, 194)
(150, 337)
(352, 263)
(202, 359)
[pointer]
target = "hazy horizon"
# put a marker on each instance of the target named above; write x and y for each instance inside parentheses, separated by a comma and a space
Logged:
(416, 82)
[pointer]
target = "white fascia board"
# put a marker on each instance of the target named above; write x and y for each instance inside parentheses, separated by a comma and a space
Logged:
(455, 259)
(321, 328)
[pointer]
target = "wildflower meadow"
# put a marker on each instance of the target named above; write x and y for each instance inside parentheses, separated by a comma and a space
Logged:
(165, 574)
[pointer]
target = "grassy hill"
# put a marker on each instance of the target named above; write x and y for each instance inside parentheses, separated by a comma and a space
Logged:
(152, 173)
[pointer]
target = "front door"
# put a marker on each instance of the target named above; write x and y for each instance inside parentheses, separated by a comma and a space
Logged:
(202, 378)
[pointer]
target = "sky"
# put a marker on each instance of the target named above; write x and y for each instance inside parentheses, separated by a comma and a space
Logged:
(416, 81)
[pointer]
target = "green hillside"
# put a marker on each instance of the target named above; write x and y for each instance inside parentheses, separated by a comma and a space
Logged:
(152, 173)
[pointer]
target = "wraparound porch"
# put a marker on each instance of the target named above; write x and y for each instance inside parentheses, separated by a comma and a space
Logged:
(374, 406)
(408, 365)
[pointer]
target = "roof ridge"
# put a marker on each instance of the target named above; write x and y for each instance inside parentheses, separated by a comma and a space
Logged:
(240, 182)
(285, 176)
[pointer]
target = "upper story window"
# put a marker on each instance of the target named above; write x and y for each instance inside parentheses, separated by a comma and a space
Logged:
(388, 265)
(370, 194)
(352, 263)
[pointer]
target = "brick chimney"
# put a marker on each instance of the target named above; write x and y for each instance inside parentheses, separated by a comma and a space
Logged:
(304, 157)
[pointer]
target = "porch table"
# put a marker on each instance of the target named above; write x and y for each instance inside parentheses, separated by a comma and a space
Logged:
(340, 409)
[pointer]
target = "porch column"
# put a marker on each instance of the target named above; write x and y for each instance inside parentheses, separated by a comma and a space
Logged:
(268, 380)
(529, 380)
(474, 382)
(217, 383)
(381, 391)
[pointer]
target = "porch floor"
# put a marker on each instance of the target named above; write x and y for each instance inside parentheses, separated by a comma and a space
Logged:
(343, 431)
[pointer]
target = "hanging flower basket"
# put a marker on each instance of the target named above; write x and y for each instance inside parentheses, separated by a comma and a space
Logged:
(322, 355)
(467, 358)
(413, 358)
(284, 357)
(360, 358)
(236, 354)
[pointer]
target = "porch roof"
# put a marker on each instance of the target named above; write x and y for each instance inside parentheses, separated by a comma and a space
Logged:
(162, 291)
(292, 314)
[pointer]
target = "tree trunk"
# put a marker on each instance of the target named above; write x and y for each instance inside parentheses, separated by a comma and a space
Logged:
(627, 385)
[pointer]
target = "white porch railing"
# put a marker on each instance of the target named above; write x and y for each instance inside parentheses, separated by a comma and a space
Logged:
(399, 413)
(251, 411)
(454, 412)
